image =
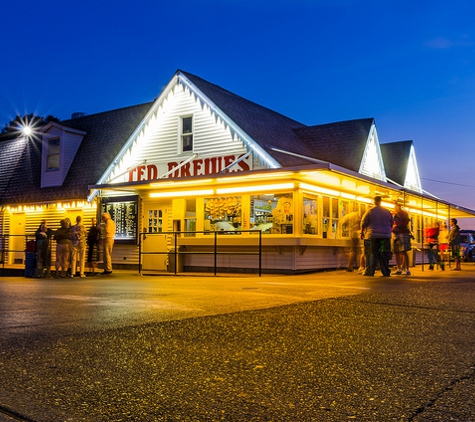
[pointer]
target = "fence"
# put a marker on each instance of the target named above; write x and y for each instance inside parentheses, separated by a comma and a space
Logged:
(6, 249)
(177, 253)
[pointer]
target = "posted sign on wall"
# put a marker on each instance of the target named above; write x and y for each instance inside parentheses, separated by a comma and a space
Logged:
(124, 212)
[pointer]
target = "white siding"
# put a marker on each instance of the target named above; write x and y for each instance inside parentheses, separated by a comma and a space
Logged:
(68, 144)
(159, 141)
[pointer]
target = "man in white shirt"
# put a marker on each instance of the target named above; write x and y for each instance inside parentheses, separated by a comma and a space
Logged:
(109, 233)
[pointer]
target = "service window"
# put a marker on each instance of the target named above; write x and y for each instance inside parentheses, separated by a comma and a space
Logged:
(223, 214)
(310, 215)
(345, 224)
(325, 216)
(190, 217)
(272, 213)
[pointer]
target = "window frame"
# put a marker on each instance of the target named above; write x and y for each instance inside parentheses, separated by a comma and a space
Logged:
(186, 134)
(56, 155)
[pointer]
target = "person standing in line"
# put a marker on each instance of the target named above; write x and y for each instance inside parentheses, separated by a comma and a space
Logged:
(376, 226)
(93, 239)
(43, 238)
(63, 249)
(454, 243)
(109, 229)
(443, 242)
(78, 240)
(401, 239)
(68, 226)
(432, 239)
(355, 256)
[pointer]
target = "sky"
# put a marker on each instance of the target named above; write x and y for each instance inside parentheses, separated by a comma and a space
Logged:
(408, 64)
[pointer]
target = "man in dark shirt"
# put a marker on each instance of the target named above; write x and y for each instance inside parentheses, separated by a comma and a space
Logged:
(376, 226)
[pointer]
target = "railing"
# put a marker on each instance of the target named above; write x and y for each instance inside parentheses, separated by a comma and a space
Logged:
(177, 252)
(6, 240)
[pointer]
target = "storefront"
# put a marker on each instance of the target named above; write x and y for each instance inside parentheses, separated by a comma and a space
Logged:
(299, 212)
(221, 181)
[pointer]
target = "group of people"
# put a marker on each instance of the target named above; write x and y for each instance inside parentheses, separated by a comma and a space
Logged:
(378, 226)
(71, 244)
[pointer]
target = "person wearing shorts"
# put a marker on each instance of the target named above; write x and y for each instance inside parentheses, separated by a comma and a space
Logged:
(401, 239)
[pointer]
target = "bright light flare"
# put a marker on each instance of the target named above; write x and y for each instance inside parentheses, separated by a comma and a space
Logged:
(27, 130)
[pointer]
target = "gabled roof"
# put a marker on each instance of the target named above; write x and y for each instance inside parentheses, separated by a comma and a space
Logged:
(396, 158)
(341, 143)
(10, 153)
(105, 134)
(271, 130)
(401, 164)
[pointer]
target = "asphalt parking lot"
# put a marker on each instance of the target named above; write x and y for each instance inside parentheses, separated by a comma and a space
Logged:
(329, 346)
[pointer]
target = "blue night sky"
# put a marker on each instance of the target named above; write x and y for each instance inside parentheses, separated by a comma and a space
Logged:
(408, 64)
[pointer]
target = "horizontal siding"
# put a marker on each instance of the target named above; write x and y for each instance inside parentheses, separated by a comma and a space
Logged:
(159, 140)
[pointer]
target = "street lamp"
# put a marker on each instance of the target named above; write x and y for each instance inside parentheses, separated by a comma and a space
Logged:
(27, 130)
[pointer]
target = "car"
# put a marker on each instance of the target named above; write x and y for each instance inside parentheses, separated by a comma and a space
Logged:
(467, 245)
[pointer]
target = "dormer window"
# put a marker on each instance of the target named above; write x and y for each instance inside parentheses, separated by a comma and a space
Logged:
(187, 133)
(52, 157)
(59, 147)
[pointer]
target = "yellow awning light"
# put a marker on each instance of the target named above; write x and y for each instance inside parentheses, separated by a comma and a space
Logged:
(348, 195)
(258, 188)
(328, 179)
(175, 194)
(177, 183)
(363, 190)
(348, 184)
(364, 199)
(251, 177)
(319, 189)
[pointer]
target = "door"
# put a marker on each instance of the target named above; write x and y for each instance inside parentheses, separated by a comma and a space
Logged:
(17, 238)
(155, 244)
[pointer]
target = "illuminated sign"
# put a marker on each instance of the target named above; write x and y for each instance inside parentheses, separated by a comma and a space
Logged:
(124, 212)
(197, 167)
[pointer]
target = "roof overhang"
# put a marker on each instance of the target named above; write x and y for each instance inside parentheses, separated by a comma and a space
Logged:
(320, 178)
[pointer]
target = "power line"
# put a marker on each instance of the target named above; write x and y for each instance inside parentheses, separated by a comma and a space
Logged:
(448, 183)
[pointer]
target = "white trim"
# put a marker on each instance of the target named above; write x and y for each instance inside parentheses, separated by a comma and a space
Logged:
(228, 122)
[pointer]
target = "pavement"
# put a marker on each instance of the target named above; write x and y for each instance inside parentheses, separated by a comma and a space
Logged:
(327, 346)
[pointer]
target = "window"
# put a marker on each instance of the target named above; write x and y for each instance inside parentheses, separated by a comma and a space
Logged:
(223, 214)
(52, 157)
(187, 133)
(272, 213)
(310, 215)
(190, 216)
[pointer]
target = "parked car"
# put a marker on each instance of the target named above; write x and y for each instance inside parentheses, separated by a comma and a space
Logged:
(467, 245)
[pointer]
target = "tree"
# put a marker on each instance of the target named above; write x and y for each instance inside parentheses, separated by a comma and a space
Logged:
(16, 127)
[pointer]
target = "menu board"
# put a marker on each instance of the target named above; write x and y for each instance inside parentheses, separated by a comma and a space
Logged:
(123, 211)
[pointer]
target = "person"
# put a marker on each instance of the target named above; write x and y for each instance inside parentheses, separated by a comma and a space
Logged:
(443, 242)
(376, 226)
(63, 249)
(109, 233)
(355, 255)
(431, 235)
(454, 243)
(401, 239)
(43, 236)
(68, 225)
(93, 242)
(78, 250)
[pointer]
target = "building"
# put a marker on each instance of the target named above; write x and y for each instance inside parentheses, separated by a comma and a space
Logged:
(201, 170)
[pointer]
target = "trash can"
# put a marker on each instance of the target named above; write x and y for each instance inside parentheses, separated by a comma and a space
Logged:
(30, 258)
(179, 260)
